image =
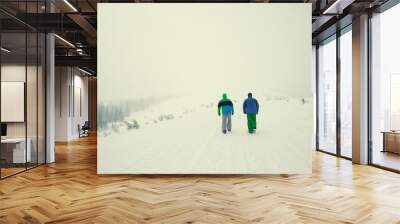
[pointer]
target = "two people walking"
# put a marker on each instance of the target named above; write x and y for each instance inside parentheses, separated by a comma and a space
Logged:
(250, 108)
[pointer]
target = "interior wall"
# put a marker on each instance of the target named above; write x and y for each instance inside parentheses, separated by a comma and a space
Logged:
(62, 80)
(33, 126)
(80, 109)
(71, 102)
(17, 73)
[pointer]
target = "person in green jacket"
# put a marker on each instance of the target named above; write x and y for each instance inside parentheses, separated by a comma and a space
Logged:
(225, 106)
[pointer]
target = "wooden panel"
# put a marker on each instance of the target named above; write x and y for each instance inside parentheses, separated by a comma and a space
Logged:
(92, 100)
(392, 142)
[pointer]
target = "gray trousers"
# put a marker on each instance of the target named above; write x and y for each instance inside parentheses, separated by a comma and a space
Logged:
(226, 123)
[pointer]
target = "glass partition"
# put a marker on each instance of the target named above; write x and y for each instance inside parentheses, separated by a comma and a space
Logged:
(31, 97)
(346, 93)
(327, 96)
(14, 153)
(385, 89)
(22, 77)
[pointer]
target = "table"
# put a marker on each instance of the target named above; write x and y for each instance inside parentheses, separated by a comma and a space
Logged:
(13, 150)
(391, 141)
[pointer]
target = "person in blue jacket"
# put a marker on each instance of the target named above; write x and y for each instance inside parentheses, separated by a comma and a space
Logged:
(250, 108)
(225, 106)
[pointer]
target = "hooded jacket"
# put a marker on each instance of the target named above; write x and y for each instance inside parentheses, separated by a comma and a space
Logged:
(250, 106)
(225, 105)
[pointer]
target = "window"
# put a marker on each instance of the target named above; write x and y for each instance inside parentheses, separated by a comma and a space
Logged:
(385, 89)
(394, 102)
(346, 93)
(327, 96)
(22, 76)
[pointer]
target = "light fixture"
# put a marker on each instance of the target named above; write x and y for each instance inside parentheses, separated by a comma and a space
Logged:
(328, 10)
(79, 51)
(5, 50)
(64, 40)
(84, 71)
(70, 5)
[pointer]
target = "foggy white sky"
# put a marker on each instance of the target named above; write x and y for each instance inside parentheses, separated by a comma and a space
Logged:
(149, 50)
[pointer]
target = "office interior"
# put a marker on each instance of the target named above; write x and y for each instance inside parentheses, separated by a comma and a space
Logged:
(29, 130)
(334, 60)
(48, 80)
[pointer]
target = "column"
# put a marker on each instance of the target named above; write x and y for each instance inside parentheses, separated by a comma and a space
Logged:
(360, 90)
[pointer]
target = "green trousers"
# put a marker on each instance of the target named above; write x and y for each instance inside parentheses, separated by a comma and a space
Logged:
(251, 122)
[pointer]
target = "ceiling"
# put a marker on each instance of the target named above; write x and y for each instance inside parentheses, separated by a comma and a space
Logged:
(75, 22)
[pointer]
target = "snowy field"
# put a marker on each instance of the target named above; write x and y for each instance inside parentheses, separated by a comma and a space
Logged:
(183, 136)
(163, 68)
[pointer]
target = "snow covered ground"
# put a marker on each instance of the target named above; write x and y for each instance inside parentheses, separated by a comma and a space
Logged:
(183, 136)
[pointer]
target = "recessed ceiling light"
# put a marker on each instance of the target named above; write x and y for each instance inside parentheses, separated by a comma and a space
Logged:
(84, 71)
(337, 7)
(5, 50)
(64, 40)
(70, 5)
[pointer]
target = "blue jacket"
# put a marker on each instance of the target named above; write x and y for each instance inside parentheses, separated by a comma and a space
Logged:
(250, 106)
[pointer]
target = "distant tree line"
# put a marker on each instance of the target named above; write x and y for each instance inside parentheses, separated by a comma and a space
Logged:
(112, 112)
(109, 113)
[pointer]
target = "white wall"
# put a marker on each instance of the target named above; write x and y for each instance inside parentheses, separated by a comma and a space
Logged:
(13, 73)
(35, 123)
(70, 83)
(79, 117)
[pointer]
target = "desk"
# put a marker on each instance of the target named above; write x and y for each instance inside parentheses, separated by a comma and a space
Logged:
(15, 148)
(391, 141)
